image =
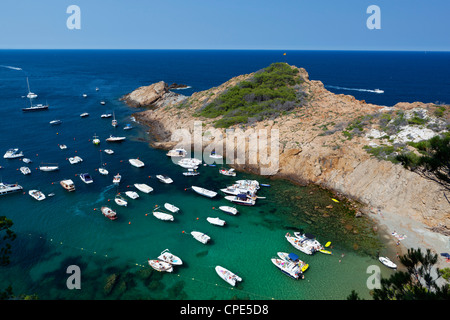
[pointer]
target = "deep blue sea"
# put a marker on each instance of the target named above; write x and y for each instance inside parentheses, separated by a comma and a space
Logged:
(65, 229)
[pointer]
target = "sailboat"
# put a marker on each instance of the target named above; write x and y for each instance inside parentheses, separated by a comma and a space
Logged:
(114, 121)
(36, 107)
(102, 169)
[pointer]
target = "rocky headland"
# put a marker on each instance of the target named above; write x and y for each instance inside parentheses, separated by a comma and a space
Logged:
(333, 140)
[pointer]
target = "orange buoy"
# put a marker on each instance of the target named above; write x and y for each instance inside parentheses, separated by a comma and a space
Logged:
(129, 222)
(182, 231)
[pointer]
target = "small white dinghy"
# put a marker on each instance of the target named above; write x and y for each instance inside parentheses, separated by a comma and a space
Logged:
(227, 275)
(171, 207)
(143, 187)
(168, 257)
(163, 216)
(136, 163)
(387, 262)
(204, 192)
(25, 170)
(160, 265)
(216, 221)
(132, 194)
(203, 238)
(103, 171)
(164, 178)
(120, 201)
(229, 210)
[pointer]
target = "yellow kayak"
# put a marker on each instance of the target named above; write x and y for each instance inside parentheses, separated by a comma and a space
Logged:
(325, 251)
(334, 200)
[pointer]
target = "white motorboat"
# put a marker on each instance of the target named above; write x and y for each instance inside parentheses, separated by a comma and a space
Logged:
(387, 262)
(168, 257)
(298, 244)
(292, 257)
(378, 91)
(86, 178)
(114, 121)
(171, 207)
(96, 140)
(25, 170)
(75, 160)
(120, 200)
(191, 173)
(132, 194)
(241, 199)
(128, 127)
(109, 213)
(160, 265)
(49, 167)
(84, 95)
(164, 178)
(216, 221)
(199, 236)
(106, 115)
(67, 184)
(117, 178)
(38, 195)
(289, 268)
(108, 151)
(310, 240)
(229, 172)
(13, 153)
(84, 114)
(163, 216)
(143, 187)
(136, 163)
(62, 146)
(6, 188)
(229, 210)
(26, 160)
(102, 103)
(214, 155)
(30, 95)
(236, 190)
(55, 122)
(103, 171)
(228, 276)
(115, 139)
(189, 163)
(177, 153)
(204, 192)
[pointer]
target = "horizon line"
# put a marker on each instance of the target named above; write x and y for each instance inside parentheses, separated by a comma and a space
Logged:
(232, 49)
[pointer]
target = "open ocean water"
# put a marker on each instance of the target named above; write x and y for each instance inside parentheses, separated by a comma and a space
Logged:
(65, 229)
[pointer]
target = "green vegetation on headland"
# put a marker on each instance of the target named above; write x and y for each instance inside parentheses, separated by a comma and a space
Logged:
(269, 93)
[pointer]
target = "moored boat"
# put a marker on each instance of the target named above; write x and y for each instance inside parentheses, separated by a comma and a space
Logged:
(387, 262)
(62, 146)
(96, 140)
(227, 275)
(160, 265)
(164, 178)
(38, 195)
(176, 153)
(136, 163)
(171, 207)
(204, 192)
(241, 199)
(191, 173)
(216, 221)
(289, 268)
(132, 194)
(292, 257)
(67, 184)
(143, 187)
(120, 200)
(201, 237)
(301, 245)
(117, 178)
(25, 170)
(103, 171)
(109, 213)
(6, 188)
(115, 139)
(13, 153)
(108, 151)
(84, 114)
(229, 210)
(229, 172)
(55, 122)
(86, 178)
(169, 257)
(163, 216)
(49, 167)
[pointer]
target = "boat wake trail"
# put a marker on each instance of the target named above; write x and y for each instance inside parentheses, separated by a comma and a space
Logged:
(12, 68)
(356, 89)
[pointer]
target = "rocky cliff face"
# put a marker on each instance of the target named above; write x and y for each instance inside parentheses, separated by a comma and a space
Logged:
(321, 142)
(156, 95)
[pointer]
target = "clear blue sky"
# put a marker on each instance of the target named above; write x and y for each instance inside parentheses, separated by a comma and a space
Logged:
(226, 24)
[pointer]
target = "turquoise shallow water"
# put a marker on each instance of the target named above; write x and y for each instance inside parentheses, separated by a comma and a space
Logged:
(65, 229)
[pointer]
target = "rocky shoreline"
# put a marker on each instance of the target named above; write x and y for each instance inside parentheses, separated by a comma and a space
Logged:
(315, 148)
